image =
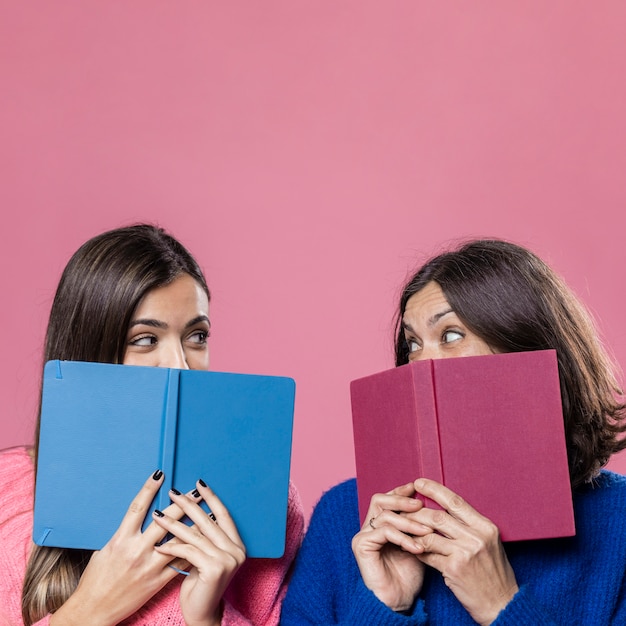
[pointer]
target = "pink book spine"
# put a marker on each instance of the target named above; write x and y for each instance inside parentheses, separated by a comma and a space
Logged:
(427, 422)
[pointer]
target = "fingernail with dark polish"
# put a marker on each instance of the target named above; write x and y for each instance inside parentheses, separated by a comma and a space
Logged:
(159, 513)
(175, 491)
(201, 482)
(157, 475)
(195, 493)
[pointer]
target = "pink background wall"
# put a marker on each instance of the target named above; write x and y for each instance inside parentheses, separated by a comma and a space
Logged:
(308, 153)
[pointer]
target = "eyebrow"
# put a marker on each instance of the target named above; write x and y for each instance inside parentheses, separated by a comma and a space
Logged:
(159, 324)
(431, 321)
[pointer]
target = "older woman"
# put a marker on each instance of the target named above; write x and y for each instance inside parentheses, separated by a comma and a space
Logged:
(415, 565)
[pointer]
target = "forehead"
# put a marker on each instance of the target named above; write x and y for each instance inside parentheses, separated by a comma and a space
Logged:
(183, 293)
(427, 301)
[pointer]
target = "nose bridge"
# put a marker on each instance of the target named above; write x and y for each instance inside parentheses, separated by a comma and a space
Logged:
(430, 350)
(174, 355)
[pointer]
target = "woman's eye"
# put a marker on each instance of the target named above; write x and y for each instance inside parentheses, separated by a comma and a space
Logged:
(146, 340)
(413, 345)
(451, 335)
(199, 337)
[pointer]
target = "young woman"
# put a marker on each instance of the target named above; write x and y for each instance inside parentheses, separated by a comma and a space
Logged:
(408, 564)
(135, 296)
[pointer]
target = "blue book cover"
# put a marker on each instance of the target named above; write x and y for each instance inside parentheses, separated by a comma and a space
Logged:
(105, 428)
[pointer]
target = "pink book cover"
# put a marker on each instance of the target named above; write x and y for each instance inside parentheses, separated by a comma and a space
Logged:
(488, 427)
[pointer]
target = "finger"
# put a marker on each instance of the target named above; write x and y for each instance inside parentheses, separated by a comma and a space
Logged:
(372, 542)
(189, 505)
(407, 489)
(204, 528)
(154, 532)
(472, 527)
(195, 546)
(442, 522)
(182, 533)
(435, 544)
(202, 558)
(434, 560)
(180, 566)
(403, 522)
(222, 518)
(454, 504)
(398, 499)
(136, 512)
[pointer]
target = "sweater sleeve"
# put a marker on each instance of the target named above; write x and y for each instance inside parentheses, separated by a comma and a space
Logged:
(326, 587)
(524, 610)
(16, 513)
(256, 593)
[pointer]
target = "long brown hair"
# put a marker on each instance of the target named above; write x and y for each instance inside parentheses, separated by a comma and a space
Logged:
(99, 290)
(512, 300)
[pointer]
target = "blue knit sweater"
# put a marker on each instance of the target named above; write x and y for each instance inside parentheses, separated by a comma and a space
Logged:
(577, 580)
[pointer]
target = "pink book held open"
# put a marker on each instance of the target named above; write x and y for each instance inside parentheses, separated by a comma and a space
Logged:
(488, 427)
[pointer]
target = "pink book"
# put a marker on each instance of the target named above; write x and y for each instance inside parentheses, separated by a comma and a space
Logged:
(488, 427)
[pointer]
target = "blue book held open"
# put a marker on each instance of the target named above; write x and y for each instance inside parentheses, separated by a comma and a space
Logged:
(105, 428)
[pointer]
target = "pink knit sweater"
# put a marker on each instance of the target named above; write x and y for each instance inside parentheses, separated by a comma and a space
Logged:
(253, 597)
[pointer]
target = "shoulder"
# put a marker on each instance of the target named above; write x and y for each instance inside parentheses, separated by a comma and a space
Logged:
(610, 479)
(603, 498)
(606, 484)
(294, 503)
(16, 464)
(339, 503)
(327, 545)
(17, 477)
(295, 516)
(344, 493)
(343, 490)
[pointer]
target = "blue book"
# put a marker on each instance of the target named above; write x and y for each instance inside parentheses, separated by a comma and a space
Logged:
(105, 428)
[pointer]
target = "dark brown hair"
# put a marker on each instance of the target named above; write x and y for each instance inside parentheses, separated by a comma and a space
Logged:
(512, 300)
(99, 290)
